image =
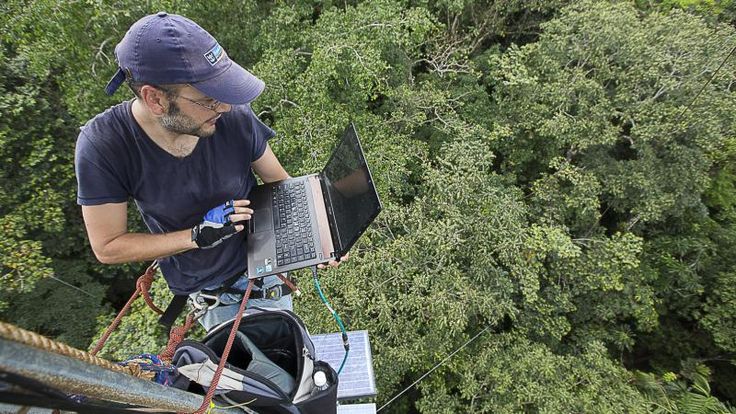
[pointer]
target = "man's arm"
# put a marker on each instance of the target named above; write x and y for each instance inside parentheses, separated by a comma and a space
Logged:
(107, 229)
(268, 167)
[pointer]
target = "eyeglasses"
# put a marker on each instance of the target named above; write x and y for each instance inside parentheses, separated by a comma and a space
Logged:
(212, 107)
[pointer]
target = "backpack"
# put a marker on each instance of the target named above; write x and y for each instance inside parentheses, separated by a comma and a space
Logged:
(271, 365)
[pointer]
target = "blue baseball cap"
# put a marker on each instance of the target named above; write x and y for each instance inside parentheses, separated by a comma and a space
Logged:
(164, 48)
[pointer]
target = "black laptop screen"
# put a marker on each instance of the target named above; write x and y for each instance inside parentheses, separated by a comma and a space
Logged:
(350, 190)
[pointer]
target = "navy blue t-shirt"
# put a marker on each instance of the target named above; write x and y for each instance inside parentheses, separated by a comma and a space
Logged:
(115, 161)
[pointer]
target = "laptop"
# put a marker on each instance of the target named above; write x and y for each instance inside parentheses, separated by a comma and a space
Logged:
(312, 219)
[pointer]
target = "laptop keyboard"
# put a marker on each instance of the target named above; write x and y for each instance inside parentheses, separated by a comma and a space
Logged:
(293, 225)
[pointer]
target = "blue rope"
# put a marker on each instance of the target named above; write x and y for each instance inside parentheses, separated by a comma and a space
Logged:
(149, 362)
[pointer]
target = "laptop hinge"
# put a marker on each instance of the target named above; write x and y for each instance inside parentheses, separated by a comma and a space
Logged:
(330, 216)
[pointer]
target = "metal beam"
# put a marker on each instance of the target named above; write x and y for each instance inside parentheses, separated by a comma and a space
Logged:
(76, 377)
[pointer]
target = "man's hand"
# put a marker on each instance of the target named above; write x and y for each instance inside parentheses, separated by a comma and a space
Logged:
(218, 223)
(334, 263)
(241, 213)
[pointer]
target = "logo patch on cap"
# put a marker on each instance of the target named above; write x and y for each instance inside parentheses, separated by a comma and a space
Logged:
(215, 54)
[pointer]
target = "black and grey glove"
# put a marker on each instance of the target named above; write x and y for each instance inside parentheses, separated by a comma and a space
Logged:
(216, 226)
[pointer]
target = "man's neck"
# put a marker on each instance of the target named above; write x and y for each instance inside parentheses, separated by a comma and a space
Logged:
(178, 145)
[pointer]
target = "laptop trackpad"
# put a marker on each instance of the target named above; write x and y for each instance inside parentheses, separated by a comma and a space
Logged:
(262, 220)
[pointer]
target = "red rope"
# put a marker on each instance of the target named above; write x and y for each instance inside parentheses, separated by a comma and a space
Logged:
(236, 324)
(176, 335)
(143, 284)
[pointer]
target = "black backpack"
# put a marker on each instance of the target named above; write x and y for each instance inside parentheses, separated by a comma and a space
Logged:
(271, 365)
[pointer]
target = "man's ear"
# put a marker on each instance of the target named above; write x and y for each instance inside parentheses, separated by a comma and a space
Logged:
(154, 99)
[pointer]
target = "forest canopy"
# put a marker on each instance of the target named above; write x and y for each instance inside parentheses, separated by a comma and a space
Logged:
(560, 175)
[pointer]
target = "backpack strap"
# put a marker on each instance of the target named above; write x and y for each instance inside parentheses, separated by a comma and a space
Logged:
(173, 311)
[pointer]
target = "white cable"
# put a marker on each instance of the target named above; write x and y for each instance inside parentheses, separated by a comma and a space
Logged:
(72, 286)
(433, 368)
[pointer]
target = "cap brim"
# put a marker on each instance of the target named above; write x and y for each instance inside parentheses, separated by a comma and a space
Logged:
(235, 86)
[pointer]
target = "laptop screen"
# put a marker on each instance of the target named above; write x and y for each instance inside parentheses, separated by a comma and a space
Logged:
(350, 190)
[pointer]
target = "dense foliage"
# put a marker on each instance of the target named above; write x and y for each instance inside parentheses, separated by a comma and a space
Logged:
(557, 175)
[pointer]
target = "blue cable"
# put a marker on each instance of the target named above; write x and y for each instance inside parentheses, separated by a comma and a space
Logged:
(345, 342)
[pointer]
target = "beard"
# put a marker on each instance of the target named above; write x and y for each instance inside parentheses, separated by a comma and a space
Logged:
(177, 122)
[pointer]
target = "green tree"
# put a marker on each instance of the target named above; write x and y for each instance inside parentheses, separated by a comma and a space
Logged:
(687, 393)
(55, 59)
(509, 374)
(36, 185)
(609, 143)
(550, 180)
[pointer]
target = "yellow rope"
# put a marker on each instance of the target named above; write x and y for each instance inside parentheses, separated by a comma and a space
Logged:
(13, 333)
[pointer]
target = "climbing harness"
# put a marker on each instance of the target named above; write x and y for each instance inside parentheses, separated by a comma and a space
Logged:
(206, 300)
(176, 306)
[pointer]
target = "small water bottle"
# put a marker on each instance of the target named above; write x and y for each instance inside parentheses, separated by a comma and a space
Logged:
(320, 381)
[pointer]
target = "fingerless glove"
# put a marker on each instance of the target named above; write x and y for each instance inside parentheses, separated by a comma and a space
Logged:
(215, 228)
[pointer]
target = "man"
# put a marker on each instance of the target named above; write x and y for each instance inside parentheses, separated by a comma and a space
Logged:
(183, 150)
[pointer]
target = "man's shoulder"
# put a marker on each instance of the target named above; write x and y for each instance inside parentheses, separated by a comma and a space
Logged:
(239, 114)
(107, 135)
(246, 123)
(109, 125)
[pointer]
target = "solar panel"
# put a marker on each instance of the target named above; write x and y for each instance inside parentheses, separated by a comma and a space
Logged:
(357, 379)
(357, 409)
